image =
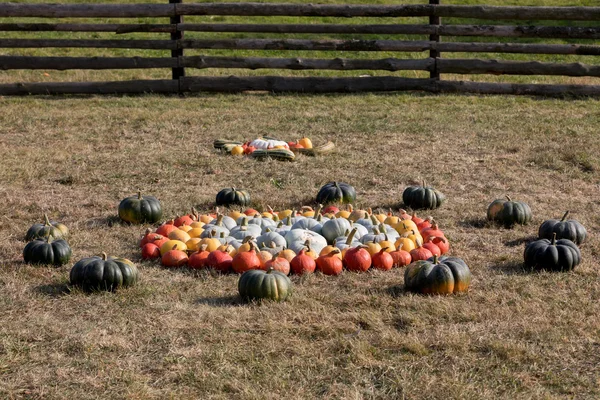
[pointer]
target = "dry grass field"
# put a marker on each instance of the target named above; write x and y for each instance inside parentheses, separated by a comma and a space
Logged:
(182, 334)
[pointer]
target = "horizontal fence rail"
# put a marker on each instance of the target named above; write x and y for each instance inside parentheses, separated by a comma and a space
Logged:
(298, 10)
(554, 32)
(177, 44)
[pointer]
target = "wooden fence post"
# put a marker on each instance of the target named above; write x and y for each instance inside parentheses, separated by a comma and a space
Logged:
(435, 54)
(179, 71)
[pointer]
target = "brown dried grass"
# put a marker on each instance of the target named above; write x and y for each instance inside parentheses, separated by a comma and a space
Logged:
(180, 334)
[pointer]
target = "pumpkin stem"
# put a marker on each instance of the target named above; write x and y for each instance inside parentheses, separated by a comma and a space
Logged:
(247, 239)
(435, 259)
(139, 194)
(351, 236)
(46, 220)
(383, 250)
(318, 210)
(508, 197)
(350, 208)
(195, 214)
(564, 218)
(104, 256)
(280, 224)
(288, 221)
(270, 269)
(553, 242)
(219, 220)
(333, 252)
(203, 247)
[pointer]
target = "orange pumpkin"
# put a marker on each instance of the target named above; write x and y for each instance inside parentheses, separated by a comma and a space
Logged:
(357, 259)
(246, 260)
(279, 264)
(330, 264)
(174, 258)
(303, 264)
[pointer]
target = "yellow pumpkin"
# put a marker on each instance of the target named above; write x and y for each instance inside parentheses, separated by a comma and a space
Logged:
(284, 214)
(193, 243)
(186, 228)
(328, 249)
(287, 254)
(388, 245)
(197, 224)
(306, 143)
(406, 226)
(373, 248)
(195, 232)
(413, 235)
(211, 244)
(345, 213)
(205, 218)
(170, 244)
(307, 211)
(237, 150)
(235, 215)
(178, 234)
(405, 244)
(229, 249)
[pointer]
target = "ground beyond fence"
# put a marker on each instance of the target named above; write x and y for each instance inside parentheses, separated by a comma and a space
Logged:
(435, 63)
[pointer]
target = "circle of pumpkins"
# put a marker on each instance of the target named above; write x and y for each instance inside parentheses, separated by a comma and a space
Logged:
(303, 241)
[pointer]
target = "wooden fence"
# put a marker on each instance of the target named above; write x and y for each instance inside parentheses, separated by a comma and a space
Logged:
(435, 64)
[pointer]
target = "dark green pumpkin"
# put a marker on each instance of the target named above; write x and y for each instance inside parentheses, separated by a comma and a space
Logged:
(336, 192)
(552, 255)
(257, 284)
(139, 209)
(46, 229)
(565, 229)
(47, 251)
(422, 197)
(103, 273)
(508, 212)
(443, 275)
(232, 196)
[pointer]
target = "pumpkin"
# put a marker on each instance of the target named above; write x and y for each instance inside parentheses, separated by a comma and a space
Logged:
(149, 237)
(432, 231)
(237, 150)
(357, 259)
(288, 254)
(344, 213)
(331, 210)
(296, 240)
(420, 252)
(405, 244)
(565, 229)
(171, 244)
(382, 260)
(269, 237)
(263, 257)
(336, 192)
(139, 209)
(179, 234)
(186, 219)
(330, 263)
(335, 228)
(174, 257)
(401, 258)
(232, 196)
(150, 251)
(264, 285)
(48, 228)
(552, 255)
(306, 143)
(246, 260)
(310, 224)
(103, 273)
(422, 197)
(508, 212)
(47, 251)
(198, 259)
(219, 260)
(444, 275)
(303, 264)
(279, 264)
(264, 143)
(166, 228)
(440, 242)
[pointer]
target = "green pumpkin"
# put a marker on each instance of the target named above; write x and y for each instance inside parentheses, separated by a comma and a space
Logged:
(139, 209)
(103, 273)
(232, 196)
(565, 229)
(257, 284)
(336, 192)
(46, 229)
(443, 275)
(422, 197)
(47, 251)
(508, 212)
(552, 255)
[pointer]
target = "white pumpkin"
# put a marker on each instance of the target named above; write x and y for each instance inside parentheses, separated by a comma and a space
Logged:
(261, 143)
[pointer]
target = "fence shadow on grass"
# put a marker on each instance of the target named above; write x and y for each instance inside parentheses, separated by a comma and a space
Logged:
(396, 291)
(520, 241)
(511, 268)
(224, 301)
(53, 289)
(477, 223)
